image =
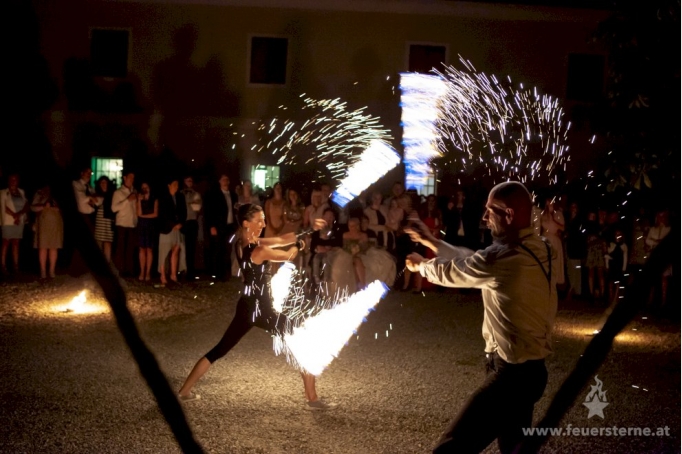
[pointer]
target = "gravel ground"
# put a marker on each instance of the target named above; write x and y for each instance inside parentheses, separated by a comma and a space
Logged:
(71, 385)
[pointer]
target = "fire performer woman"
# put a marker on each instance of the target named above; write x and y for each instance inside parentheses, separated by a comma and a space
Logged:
(255, 306)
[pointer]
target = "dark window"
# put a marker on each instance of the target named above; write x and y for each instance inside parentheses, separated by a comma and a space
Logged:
(585, 81)
(423, 58)
(109, 52)
(268, 60)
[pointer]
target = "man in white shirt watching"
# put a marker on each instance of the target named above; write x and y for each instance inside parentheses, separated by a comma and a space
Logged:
(124, 204)
(518, 287)
(85, 197)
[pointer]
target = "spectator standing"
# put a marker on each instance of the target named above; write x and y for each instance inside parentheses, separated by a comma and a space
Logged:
(104, 216)
(124, 204)
(49, 230)
(274, 212)
(147, 232)
(431, 216)
(461, 222)
(596, 249)
(397, 191)
(14, 207)
(85, 197)
(191, 227)
(323, 244)
(293, 212)
(247, 195)
(616, 263)
(576, 250)
(639, 250)
(316, 208)
(172, 216)
(220, 215)
(553, 225)
(660, 230)
(378, 220)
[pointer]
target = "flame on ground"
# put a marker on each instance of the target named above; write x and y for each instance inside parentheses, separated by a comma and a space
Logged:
(80, 305)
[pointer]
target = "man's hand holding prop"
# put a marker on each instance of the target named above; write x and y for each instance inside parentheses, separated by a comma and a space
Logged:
(420, 233)
(412, 262)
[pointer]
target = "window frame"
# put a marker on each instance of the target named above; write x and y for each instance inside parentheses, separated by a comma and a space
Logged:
(409, 44)
(287, 66)
(128, 56)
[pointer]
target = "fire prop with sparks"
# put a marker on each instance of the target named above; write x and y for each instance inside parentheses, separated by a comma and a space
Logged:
(334, 133)
(314, 344)
(280, 284)
(421, 94)
(512, 132)
(375, 162)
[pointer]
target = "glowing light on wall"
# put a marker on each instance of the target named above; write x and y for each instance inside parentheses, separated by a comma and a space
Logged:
(419, 100)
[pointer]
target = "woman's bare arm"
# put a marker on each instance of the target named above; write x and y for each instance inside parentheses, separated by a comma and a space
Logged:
(263, 253)
(278, 241)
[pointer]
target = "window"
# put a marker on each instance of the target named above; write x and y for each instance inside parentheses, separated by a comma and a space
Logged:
(585, 81)
(108, 167)
(109, 52)
(422, 58)
(268, 64)
(264, 176)
(429, 187)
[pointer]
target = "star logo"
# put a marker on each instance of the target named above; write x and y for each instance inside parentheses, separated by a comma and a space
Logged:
(595, 401)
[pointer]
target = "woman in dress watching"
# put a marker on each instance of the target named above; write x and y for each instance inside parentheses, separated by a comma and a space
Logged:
(147, 214)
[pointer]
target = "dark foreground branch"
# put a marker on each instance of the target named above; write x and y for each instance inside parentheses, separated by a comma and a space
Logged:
(113, 291)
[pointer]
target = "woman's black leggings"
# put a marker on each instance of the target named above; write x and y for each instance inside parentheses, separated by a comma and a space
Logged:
(244, 319)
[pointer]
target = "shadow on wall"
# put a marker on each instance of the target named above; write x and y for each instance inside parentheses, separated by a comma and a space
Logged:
(29, 90)
(186, 95)
(86, 92)
(181, 89)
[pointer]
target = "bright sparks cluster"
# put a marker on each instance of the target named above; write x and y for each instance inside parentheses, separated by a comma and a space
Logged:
(514, 133)
(375, 162)
(331, 135)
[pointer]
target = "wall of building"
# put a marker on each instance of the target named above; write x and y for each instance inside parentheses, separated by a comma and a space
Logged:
(188, 68)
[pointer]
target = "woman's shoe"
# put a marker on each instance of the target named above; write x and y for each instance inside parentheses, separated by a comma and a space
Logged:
(319, 405)
(189, 397)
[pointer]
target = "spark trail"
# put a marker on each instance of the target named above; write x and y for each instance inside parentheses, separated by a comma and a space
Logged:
(513, 133)
(332, 136)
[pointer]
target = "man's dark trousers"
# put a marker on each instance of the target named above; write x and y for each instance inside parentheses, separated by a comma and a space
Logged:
(499, 409)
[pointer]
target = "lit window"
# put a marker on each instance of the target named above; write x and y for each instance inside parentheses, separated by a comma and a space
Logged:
(264, 176)
(429, 187)
(108, 167)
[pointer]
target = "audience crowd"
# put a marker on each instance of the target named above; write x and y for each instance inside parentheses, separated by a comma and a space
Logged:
(185, 232)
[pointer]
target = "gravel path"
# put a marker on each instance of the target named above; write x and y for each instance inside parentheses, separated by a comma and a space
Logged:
(72, 387)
